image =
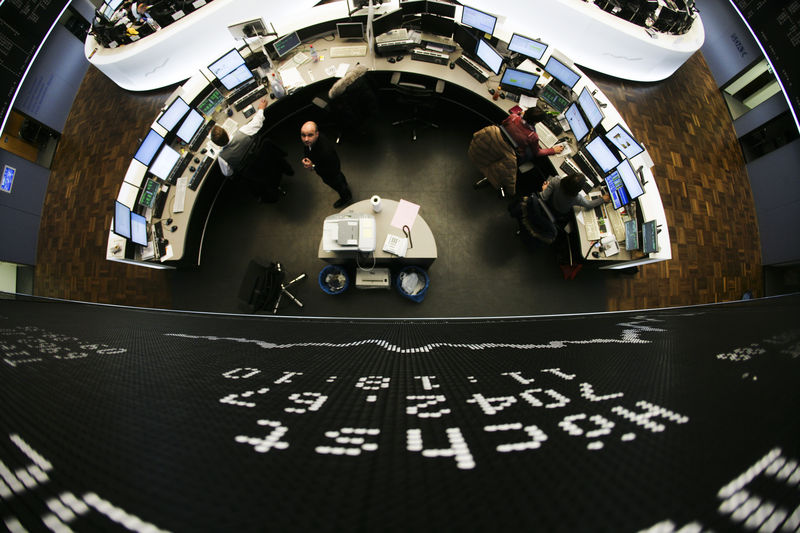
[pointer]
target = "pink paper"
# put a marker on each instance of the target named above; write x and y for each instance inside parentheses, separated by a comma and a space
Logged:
(405, 215)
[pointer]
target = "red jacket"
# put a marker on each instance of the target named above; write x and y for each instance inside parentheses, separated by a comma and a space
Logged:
(525, 135)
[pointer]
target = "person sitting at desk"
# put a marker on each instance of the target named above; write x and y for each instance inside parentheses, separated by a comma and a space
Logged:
(521, 127)
(563, 193)
(253, 158)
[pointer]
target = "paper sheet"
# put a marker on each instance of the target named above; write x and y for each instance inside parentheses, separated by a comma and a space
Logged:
(405, 214)
(292, 79)
(342, 69)
(527, 101)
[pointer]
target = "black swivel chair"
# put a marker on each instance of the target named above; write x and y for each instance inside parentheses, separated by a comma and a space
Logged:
(263, 287)
(416, 94)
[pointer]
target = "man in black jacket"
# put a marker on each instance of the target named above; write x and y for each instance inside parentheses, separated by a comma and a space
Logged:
(320, 156)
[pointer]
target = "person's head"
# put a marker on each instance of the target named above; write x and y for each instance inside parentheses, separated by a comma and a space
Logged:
(533, 115)
(309, 133)
(572, 185)
(219, 136)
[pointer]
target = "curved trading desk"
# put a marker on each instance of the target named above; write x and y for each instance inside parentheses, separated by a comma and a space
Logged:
(184, 229)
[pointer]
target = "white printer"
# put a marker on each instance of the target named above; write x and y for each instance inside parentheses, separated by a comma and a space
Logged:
(349, 232)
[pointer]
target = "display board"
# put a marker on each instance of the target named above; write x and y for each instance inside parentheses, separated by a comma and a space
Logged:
(147, 420)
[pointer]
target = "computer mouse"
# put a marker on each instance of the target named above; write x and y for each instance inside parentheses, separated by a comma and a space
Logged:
(169, 221)
(272, 95)
(491, 91)
(399, 58)
(192, 169)
(503, 96)
(452, 66)
(196, 159)
(173, 228)
(230, 112)
(203, 151)
(391, 60)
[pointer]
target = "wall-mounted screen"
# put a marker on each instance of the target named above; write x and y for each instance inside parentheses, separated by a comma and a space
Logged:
(527, 47)
(601, 154)
(174, 113)
(561, 72)
(191, 124)
(164, 163)
(590, 108)
(149, 147)
(576, 122)
(518, 79)
(122, 220)
(624, 141)
(138, 229)
(489, 56)
(478, 19)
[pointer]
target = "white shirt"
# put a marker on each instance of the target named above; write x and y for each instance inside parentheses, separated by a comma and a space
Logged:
(249, 129)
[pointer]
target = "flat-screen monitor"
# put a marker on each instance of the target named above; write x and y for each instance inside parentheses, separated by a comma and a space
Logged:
(174, 113)
(617, 191)
(114, 4)
(138, 229)
(556, 100)
(149, 147)
(526, 46)
(561, 72)
(191, 124)
(624, 141)
(630, 179)
(236, 77)
(650, 237)
(105, 11)
(350, 30)
(465, 39)
(442, 9)
(148, 194)
(164, 163)
(286, 44)
(576, 122)
(413, 7)
(389, 21)
(207, 106)
(248, 29)
(489, 56)
(590, 108)
(513, 80)
(631, 235)
(7, 180)
(601, 154)
(478, 19)
(226, 64)
(122, 220)
(438, 25)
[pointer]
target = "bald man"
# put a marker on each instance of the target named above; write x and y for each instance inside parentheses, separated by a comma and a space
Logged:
(320, 156)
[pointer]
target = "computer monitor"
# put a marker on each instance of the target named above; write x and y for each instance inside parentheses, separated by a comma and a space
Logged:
(248, 29)
(467, 40)
(576, 122)
(148, 194)
(174, 113)
(114, 4)
(442, 9)
(138, 229)
(389, 21)
(624, 141)
(561, 72)
(191, 124)
(286, 44)
(631, 235)
(515, 80)
(165, 162)
(617, 191)
(650, 237)
(438, 25)
(556, 100)
(207, 106)
(489, 56)
(236, 77)
(150, 145)
(630, 179)
(590, 108)
(413, 7)
(350, 30)
(526, 46)
(122, 220)
(601, 154)
(478, 19)
(226, 64)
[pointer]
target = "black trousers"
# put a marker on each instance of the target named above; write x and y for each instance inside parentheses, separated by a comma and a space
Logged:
(338, 183)
(264, 168)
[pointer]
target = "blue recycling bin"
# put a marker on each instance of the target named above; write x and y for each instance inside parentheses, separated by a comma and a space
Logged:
(420, 294)
(339, 281)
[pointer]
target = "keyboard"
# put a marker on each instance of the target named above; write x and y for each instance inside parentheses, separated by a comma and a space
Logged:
(430, 56)
(587, 168)
(201, 135)
(356, 50)
(591, 225)
(472, 68)
(200, 173)
(250, 98)
(158, 205)
(241, 91)
(180, 195)
(299, 58)
(547, 137)
(177, 171)
(159, 246)
(616, 223)
(569, 168)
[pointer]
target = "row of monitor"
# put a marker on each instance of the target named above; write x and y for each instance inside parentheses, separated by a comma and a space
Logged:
(108, 8)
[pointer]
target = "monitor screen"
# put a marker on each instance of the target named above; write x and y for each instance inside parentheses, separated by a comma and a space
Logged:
(518, 79)
(7, 181)
(490, 57)
(164, 163)
(149, 147)
(624, 142)
(561, 72)
(617, 191)
(389, 21)
(191, 124)
(576, 122)
(138, 229)
(602, 154)
(631, 235)
(114, 4)
(554, 98)
(442, 9)
(286, 44)
(174, 113)
(478, 20)
(465, 39)
(438, 25)
(649, 237)
(590, 108)
(106, 11)
(413, 7)
(527, 47)
(237, 77)
(350, 30)
(122, 220)
(630, 179)
(148, 194)
(226, 64)
(207, 106)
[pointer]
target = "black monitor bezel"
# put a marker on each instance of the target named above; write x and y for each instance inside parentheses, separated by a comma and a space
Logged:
(220, 57)
(128, 210)
(339, 25)
(460, 33)
(443, 9)
(603, 171)
(145, 243)
(580, 115)
(158, 148)
(626, 161)
(515, 88)
(436, 24)
(393, 19)
(622, 187)
(639, 146)
(553, 58)
(493, 49)
(276, 41)
(654, 225)
(180, 119)
(585, 114)
(183, 122)
(546, 46)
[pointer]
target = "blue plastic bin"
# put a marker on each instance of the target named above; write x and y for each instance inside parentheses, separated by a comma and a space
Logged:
(421, 294)
(333, 269)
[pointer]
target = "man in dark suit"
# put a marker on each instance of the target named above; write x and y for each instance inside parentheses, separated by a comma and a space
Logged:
(320, 156)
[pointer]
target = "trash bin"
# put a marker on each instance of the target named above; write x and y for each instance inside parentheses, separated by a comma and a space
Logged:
(413, 282)
(333, 279)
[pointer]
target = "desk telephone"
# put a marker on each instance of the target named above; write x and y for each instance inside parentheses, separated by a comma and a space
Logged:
(396, 245)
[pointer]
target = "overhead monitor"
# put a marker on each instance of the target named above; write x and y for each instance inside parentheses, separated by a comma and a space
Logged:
(442, 9)
(138, 229)
(149, 147)
(650, 237)
(248, 29)
(513, 80)
(148, 195)
(526, 46)
(122, 220)
(389, 21)
(174, 113)
(350, 30)
(630, 179)
(576, 122)
(226, 64)
(164, 163)
(616, 190)
(624, 141)
(438, 25)
(236, 77)
(478, 19)
(467, 40)
(286, 44)
(489, 56)
(590, 108)
(601, 154)
(191, 124)
(561, 72)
